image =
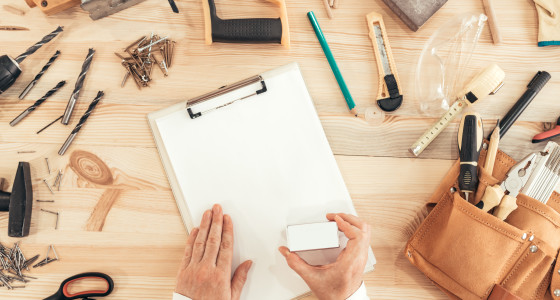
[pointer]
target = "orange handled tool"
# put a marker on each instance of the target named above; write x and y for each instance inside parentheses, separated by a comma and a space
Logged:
(547, 135)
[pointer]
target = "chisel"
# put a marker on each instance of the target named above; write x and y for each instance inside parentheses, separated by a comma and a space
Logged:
(470, 143)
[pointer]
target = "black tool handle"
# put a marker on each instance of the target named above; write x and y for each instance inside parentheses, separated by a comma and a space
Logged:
(9, 72)
(259, 30)
(64, 294)
(470, 144)
(533, 88)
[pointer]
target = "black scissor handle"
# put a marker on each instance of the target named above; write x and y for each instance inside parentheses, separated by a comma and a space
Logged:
(64, 294)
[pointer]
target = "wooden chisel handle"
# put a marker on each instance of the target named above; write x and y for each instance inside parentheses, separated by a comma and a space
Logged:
(494, 30)
(492, 197)
(505, 208)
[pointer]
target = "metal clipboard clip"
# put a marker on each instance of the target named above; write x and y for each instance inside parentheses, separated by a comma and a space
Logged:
(222, 91)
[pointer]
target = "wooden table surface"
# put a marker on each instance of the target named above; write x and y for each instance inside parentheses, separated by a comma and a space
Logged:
(115, 159)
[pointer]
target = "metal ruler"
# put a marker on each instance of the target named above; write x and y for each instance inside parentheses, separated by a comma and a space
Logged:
(487, 82)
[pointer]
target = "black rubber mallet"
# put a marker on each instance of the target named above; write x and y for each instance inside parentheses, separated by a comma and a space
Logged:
(19, 202)
(9, 67)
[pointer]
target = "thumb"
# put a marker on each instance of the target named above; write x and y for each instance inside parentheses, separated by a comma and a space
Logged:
(295, 262)
(239, 279)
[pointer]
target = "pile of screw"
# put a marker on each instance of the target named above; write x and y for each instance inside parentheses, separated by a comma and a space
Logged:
(141, 56)
(13, 263)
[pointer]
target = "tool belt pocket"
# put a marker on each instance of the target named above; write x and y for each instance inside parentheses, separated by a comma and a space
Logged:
(471, 254)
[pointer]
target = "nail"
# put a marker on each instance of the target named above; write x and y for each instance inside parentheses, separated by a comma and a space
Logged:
(45, 181)
(48, 166)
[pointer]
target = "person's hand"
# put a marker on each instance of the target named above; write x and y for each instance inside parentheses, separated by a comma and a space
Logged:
(342, 278)
(205, 271)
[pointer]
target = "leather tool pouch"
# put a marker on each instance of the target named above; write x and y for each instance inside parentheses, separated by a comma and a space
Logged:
(470, 254)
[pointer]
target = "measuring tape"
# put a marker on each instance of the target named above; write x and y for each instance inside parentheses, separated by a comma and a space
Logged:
(487, 82)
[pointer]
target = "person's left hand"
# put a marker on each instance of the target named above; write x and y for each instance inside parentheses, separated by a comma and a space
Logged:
(205, 271)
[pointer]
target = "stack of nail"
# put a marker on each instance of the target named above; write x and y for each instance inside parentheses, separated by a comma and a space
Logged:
(141, 56)
(13, 263)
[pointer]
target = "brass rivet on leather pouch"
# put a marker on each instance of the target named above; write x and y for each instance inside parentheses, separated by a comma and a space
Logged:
(557, 292)
(524, 237)
(452, 190)
(533, 249)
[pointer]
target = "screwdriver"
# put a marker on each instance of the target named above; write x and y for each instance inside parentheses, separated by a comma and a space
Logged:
(470, 143)
(9, 67)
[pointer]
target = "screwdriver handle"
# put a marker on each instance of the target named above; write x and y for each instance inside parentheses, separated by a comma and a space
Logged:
(505, 208)
(470, 144)
(492, 197)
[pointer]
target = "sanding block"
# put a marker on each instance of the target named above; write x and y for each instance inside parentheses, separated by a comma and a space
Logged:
(389, 93)
(314, 236)
(19, 202)
(414, 13)
(258, 30)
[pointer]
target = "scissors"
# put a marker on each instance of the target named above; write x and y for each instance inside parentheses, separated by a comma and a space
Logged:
(64, 294)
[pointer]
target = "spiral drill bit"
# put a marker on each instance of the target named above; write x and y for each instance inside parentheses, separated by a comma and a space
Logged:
(47, 38)
(39, 75)
(26, 112)
(9, 67)
(83, 119)
(79, 84)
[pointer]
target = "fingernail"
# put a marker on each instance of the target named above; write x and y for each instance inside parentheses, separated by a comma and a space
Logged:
(283, 251)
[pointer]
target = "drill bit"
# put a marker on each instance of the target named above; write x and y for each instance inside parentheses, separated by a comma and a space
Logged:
(78, 87)
(47, 38)
(83, 119)
(39, 75)
(26, 112)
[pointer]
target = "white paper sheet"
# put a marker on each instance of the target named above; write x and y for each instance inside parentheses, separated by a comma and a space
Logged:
(267, 161)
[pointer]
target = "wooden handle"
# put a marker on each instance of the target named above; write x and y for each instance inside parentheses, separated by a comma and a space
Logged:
(492, 23)
(53, 6)
(492, 197)
(507, 205)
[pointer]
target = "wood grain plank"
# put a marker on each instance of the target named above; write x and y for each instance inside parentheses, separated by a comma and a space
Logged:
(143, 235)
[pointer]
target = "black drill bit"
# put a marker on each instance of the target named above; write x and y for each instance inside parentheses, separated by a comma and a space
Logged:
(77, 88)
(83, 119)
(47, 38)
(26, 112)
(39, 75)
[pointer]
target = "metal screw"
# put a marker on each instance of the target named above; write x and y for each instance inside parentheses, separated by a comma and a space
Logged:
(453, 190)
(44, 4)
(533, 249)
(557, 292)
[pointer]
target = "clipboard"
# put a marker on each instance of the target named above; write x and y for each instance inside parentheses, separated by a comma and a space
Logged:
(256, 147)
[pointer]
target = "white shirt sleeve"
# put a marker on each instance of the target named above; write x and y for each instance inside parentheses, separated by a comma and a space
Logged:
(180, 297)
(360, 294)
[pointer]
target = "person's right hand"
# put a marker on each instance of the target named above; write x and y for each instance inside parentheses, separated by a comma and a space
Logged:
(342, 278)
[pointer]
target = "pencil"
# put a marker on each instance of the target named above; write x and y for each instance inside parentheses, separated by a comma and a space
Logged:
(332, 63)
(492, 150)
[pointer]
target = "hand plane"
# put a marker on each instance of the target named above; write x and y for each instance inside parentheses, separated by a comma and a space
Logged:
(97, 8)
